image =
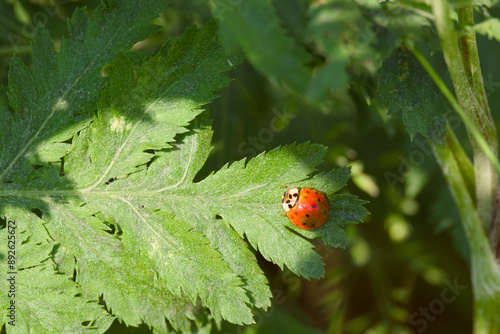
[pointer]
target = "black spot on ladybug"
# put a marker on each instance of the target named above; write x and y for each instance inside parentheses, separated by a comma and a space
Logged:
(316, 192)
(304, 224)
(307, 215)
(313, 206)
(307, 191)
(313, 225)
(319, 199)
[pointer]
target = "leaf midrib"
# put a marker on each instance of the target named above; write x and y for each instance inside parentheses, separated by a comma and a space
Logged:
(107, 194)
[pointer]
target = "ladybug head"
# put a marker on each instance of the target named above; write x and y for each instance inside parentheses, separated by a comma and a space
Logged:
(290, 199)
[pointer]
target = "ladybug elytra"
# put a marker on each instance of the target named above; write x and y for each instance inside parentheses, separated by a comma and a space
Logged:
(305, 207)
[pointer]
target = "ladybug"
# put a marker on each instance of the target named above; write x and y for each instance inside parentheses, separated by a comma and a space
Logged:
(305, 207)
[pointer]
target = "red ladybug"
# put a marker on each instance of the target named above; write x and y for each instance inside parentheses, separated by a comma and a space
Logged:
(305, 207)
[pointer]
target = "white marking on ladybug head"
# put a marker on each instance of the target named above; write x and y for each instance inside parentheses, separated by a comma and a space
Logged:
(290, 199)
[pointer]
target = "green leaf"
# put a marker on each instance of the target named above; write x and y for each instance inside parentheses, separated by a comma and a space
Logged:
(405, 86)
(128, 280)
(246, 198)
(122, 220)
(54, 99)
(489, 28)
(326, 25)
(254, 26)
(38, 293)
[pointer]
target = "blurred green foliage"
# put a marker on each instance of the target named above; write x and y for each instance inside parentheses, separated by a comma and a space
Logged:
(311, 76)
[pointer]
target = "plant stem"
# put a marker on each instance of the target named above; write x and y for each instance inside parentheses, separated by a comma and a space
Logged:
(462, 159)
(495, 228)
(471, 63)
(470, 57)
(484, 270)
(470, 93)
(475, 113)
(471, 128)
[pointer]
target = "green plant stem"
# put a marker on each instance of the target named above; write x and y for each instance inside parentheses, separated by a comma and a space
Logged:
(495, 229)
(468, 48)
(485, 274)
(471, 128)
(456, 147)
(465, 71)
(462, 159)
(470, 57)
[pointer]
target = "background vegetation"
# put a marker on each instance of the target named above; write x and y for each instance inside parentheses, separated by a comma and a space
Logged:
(320, 76)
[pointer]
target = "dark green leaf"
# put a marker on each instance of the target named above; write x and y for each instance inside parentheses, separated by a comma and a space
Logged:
(405, 87)
(254, 26)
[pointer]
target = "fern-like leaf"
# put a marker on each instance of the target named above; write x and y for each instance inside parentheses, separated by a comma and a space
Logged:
(121, 219)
